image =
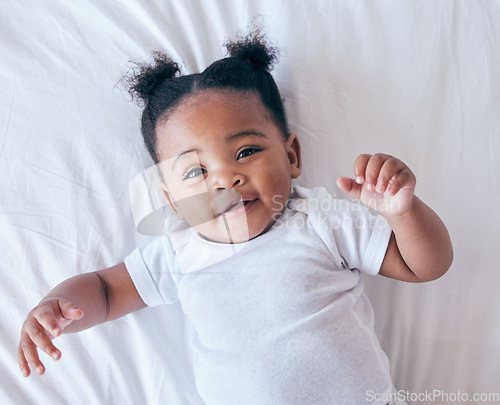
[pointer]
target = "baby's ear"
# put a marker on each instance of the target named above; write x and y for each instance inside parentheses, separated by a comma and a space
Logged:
(293, 151)
(170, 201)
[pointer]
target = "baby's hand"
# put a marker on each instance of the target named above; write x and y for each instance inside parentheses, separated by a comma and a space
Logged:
(382, 182)
(44, 323)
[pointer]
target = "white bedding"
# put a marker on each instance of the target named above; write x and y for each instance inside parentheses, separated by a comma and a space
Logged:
(416, 79)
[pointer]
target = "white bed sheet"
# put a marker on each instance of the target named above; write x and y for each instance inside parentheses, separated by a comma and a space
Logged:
(416, 79)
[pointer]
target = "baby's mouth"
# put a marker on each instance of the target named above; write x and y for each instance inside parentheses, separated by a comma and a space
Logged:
(236, 208)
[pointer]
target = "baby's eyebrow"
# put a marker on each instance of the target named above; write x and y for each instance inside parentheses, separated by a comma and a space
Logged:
(250, 132)
(176, 160)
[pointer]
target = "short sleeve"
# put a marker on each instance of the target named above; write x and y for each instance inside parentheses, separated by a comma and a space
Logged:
(356, 237)
(363, 240)
(151, 269)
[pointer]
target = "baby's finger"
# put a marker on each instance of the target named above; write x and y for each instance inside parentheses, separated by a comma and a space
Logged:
(360, 167)
(39, 336)
(28, 357)
(373, 169)
(404, 179)
(349, 186)
(23, 363)
(388, 172)
(47, 317)
(69, 310)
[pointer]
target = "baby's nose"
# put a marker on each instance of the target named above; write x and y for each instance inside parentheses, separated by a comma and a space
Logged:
(227, 180)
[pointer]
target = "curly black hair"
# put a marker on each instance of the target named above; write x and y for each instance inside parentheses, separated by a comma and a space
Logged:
(159, 86)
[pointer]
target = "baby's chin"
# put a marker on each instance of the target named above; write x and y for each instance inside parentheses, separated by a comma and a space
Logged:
(225, 240)
(231, 234)
(220, 231)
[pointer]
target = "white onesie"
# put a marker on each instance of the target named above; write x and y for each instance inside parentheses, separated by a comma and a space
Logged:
(281, 319)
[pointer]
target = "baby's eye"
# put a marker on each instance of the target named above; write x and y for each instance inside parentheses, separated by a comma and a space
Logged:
(247, 152)
(194, 172)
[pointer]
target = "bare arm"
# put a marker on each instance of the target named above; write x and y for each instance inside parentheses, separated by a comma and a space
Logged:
(420, 248)
(76, 304)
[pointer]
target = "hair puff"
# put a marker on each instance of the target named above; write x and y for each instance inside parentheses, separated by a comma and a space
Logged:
(254, 48)
(145, 78)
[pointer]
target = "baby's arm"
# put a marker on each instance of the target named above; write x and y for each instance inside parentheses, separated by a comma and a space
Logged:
(76, 304)
(420, 248)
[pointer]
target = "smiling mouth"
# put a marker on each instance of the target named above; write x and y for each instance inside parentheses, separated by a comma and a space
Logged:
(237, 208)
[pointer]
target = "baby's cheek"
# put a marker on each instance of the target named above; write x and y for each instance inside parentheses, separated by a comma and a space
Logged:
(280, 191)
(278, 204)
(197, 209)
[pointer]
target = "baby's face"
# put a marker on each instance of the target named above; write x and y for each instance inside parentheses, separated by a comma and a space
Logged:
(226, 165)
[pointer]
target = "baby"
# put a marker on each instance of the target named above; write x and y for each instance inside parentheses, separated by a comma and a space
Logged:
(269, 275)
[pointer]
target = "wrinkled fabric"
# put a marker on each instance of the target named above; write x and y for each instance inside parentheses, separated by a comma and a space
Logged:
(415, 79)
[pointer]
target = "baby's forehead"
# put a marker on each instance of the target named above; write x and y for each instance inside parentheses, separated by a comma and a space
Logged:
(224, 97)
(209, 105)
